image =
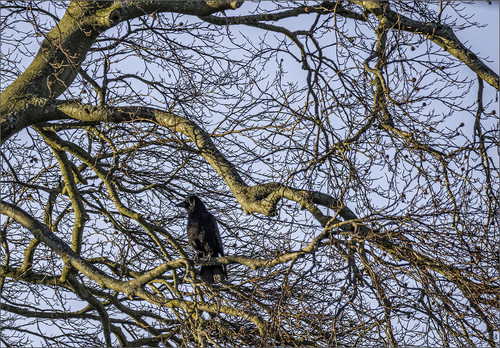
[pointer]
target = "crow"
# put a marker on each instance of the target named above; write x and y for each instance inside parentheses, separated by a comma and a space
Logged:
(204, 238)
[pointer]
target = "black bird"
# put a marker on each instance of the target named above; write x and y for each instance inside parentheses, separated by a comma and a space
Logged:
(204, 238)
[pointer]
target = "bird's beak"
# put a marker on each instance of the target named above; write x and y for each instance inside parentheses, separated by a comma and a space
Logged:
(181, 205)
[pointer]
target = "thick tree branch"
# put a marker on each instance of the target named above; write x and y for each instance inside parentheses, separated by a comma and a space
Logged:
(253, 199)
(131, 288)
(65, 47)
(255, 20)
(441, 35)
(43, 234)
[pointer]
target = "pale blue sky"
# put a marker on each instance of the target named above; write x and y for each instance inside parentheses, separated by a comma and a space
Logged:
(485, 41)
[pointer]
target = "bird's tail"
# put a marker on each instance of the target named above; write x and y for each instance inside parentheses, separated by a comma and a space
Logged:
(213, 274)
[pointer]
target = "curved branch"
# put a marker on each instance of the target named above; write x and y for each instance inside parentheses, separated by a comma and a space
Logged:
(441, 35)
(43, 234)
(65, 47)
(130, 288)
(260, 199)
(324, 8)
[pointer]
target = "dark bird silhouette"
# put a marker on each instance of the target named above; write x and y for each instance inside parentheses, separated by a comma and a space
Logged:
(204, 238)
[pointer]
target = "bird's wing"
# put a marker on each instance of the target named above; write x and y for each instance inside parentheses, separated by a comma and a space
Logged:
(217, 234)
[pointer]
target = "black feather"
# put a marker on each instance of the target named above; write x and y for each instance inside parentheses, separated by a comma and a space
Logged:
(204, 238)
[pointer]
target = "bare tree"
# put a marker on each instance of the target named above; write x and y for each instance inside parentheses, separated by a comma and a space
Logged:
(347, 149)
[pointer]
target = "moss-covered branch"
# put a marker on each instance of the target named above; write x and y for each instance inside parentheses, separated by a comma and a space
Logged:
(65, 47)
